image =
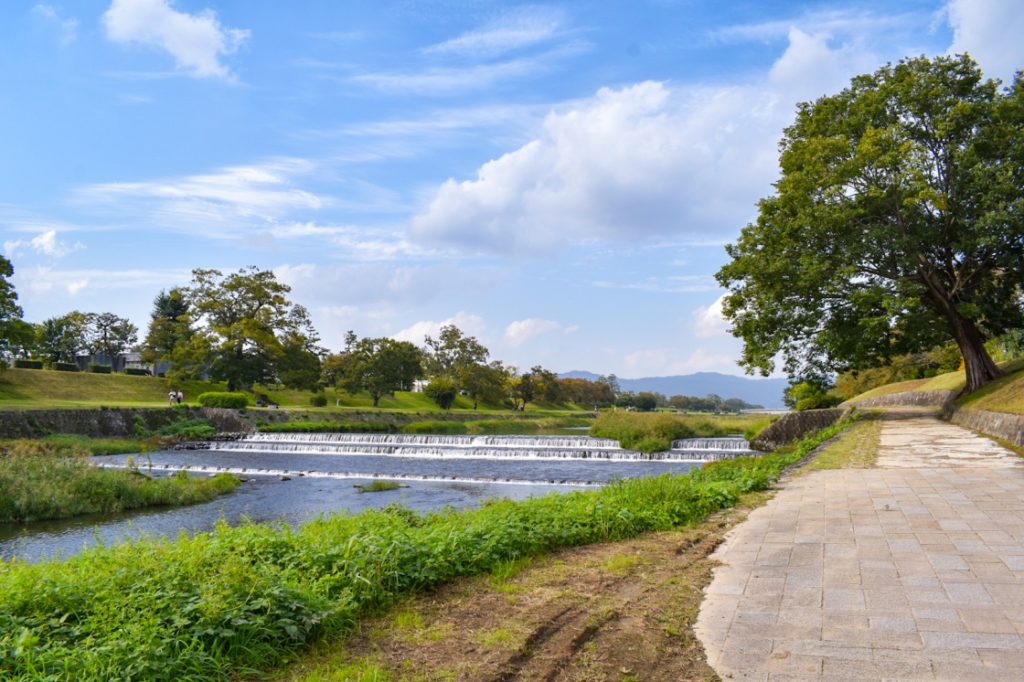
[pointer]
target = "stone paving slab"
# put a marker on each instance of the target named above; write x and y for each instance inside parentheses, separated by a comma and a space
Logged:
(912, 570)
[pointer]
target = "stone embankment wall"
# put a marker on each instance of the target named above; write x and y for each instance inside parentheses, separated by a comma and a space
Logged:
(908, 398)
(795, 425)
(109, 422)
(1009, 427)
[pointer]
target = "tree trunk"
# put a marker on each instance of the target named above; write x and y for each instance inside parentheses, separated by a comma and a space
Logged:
(979, 366)
(376, 399)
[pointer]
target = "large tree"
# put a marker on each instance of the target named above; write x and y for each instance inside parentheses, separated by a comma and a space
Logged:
(378, 366)
(248, 318)
(111, 336)
(897, 224)
(13, 330)
(63, 338)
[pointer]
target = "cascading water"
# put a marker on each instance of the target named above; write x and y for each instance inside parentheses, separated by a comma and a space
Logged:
(481, 447)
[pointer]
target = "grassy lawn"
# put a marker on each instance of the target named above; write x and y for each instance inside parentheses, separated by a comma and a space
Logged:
(41, 388)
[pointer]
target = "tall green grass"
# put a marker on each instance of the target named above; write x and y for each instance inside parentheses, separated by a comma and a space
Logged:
(238, 600)
(326, 427)
(47, 480)
(655, 431)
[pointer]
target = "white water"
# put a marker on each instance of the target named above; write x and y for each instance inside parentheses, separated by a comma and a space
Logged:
(482, 447)
(239, 471)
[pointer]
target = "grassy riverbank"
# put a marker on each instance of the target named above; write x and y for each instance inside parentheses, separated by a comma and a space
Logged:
(655, 431)
(52, 479)
(243, 599)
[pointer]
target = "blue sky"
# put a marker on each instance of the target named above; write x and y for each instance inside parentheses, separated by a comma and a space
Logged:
(556, 179)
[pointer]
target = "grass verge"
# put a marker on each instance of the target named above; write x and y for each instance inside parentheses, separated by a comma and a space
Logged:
(856, 448)
(47, 480)
(242, 599)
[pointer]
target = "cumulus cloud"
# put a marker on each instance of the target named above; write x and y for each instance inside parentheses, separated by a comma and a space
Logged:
(990, 31)
(523, 331)
(646, 160)
(196, 41)
(45, 243)
(470, 324)
(709, 322)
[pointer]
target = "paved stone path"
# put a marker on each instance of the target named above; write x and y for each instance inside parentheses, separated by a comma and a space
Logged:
(913, 570)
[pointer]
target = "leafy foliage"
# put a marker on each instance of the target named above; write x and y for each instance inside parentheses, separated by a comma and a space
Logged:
(442, 391)
(378, 366)
(897, 224)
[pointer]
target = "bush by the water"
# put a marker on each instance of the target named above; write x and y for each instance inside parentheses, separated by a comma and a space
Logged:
(137, 372)
(53, 479)
(28, 364)
(327, 427)
(225, 604)
(65, 366)
(234, 401)
(318, 400)
(646, 432)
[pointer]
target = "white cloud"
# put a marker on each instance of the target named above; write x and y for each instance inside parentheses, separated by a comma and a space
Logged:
(44, 279)
(68, 27)
(470, 324)
(991, 31)
(523, 331)
(196, 41)
(517, 29)
(223, 203)
(448, 80)
(709, 322)
(810, 68)
(45, 243)
(832, 22)
(642, 161)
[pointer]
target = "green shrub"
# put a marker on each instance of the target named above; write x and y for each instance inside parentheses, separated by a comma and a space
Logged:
(188, 429)
(442, 391)
(318, 400)
(28, 364)
(100, 369)
(436, 427)
(65, 366)
(137, 372)
(227, 604)
(647, 432)
(235, 401)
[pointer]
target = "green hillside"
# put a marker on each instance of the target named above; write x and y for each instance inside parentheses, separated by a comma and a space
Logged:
(43, 388)
(1003, 395)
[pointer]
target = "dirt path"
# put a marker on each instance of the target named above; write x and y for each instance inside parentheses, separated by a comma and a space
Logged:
(618, 611)
(911, 570)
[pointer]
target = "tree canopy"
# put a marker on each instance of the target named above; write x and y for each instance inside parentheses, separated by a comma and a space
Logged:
(255, 331)
(897, 224)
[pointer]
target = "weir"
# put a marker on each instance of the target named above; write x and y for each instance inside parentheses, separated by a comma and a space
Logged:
(242, 471)
(482, 447)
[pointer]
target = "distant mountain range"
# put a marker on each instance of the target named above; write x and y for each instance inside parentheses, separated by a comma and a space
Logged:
(765, 392)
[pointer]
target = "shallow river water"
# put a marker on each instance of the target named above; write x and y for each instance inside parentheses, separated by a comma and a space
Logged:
(323, 483)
